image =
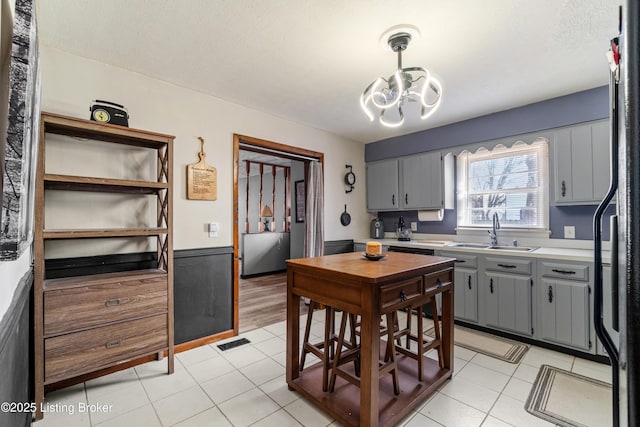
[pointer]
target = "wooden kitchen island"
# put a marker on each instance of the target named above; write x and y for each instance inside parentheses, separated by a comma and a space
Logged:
(351, 283)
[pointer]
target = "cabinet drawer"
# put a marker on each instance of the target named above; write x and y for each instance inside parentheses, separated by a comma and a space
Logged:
(74, 354)
(96, 304)
(566, 271)
(437, 279)
(462, 260)
(509, 265)
(400, 294)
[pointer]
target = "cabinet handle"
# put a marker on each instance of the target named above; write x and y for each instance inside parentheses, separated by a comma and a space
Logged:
(564, 189)
(403, 296)
(112, 344)
(563, 271)
(506, 266)
(550, 294)
(438, 283)
(469, 281)
(491, 285)
(406, 198)
(393, 199)
(113, 302)
(459, 260)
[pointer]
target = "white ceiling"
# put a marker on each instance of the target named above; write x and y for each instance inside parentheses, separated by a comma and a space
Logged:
(309, 60)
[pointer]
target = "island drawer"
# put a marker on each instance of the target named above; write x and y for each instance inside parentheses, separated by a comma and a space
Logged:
(400, 294)
(566, 271)
(81, 352)
(81, 307)
(437, 279)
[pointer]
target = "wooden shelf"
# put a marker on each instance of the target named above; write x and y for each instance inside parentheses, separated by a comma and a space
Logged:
(76, 281)
(79, 128)
(102, 232)
(101, 185)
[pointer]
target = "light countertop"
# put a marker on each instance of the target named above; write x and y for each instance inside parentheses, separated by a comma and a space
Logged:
(566, 254)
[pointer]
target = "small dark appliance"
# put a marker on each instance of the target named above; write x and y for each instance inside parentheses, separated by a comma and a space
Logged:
(403, 234)
(109, 112)
(377, 229)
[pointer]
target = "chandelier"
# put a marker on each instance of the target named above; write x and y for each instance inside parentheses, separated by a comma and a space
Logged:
(386, 98)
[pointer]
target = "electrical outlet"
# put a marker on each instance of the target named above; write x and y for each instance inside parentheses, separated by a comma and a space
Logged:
(213, 229)
(414, 226)
(569, 232)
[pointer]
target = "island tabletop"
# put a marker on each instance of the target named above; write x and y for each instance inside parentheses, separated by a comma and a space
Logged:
(351, 283)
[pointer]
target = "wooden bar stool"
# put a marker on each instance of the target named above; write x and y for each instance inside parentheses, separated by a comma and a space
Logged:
(352, 354)
(323, 350)
(423, 345)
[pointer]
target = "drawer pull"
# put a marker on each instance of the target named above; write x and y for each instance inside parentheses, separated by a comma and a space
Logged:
(555, 270)
(460, 260)
(506, 266)
(403, 296)
(113, 302)
(438, 283)
(112, 344)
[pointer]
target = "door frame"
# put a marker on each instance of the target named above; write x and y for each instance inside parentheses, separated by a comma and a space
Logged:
(265, 147)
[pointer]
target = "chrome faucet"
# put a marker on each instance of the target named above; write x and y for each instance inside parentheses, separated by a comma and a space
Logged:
(492, 232)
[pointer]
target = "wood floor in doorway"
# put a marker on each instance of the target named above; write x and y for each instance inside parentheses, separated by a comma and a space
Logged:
(263, 301)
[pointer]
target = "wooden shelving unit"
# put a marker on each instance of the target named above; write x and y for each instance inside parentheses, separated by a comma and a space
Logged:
(84, 324)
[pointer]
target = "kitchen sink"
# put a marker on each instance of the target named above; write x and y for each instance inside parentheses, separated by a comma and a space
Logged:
(469, 245)
(485, 246)
(513, 248)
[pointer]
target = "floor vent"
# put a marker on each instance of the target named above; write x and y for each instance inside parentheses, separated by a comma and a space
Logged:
(233, 344)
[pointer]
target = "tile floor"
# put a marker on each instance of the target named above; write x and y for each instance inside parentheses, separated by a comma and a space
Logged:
(246, 386)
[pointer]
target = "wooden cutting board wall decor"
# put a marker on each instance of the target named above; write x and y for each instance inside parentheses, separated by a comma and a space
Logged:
(202, 181)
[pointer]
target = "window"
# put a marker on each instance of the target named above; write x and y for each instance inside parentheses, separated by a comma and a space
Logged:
(511, 182)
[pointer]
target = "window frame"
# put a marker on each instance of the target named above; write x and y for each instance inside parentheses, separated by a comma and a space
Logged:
(541, 148)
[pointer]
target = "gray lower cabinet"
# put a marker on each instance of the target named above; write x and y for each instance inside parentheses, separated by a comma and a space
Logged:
(507, 294)
(564, 304)
(465, 281)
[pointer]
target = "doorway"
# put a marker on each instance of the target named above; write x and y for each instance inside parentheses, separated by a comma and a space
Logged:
(274, 158)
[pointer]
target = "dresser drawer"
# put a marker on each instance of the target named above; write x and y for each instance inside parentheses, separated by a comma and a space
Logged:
(509, 265)
(75, 354)
(400, 294)
(82, 307)
(565, 271)
(437, 279)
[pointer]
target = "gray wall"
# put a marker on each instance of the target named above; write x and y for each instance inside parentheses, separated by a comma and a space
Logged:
(578, 107)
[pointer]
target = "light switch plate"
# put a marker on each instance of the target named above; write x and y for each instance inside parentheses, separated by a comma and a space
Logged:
(414, 226)
(569, 232)
(213, 229)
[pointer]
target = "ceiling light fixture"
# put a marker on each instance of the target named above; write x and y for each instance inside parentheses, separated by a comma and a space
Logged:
(386, 98)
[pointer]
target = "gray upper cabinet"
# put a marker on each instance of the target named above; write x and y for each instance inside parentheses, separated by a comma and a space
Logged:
(581, 164)
(564, 304)
(421, 181)
(382, 185)
(508, 302)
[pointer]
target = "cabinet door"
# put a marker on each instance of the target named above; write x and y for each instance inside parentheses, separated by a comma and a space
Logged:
(508, 302)
(564, 311)
(382, 185)
(422, 181)
(466, 294)
(581, 159)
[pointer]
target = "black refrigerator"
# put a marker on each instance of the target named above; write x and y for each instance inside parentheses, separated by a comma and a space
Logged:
(620, 332)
